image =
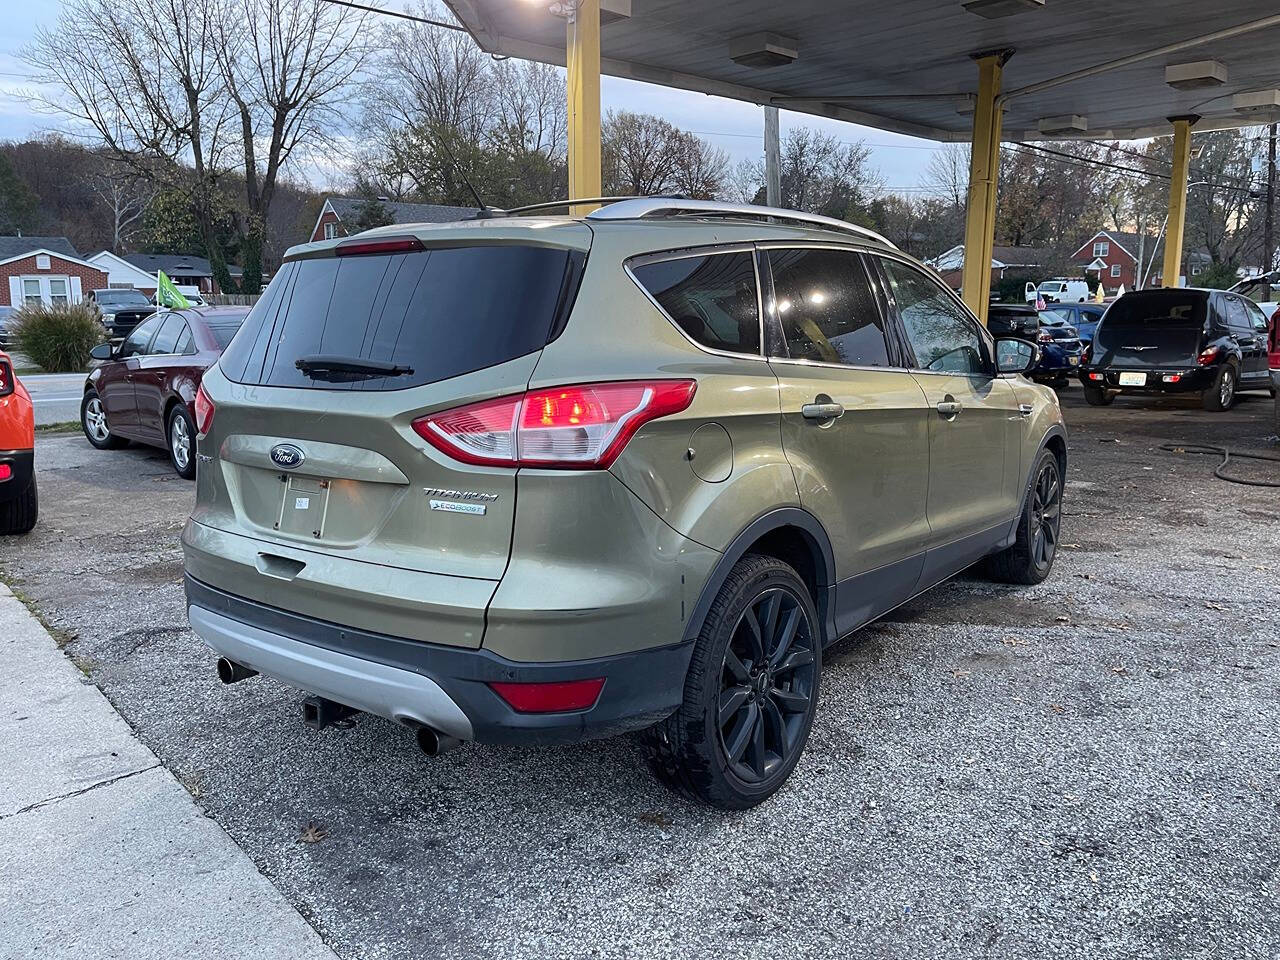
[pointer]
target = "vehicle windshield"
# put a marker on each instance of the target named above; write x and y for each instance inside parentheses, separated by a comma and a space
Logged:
(1051, 286)
(121, 297)
(1052, 318)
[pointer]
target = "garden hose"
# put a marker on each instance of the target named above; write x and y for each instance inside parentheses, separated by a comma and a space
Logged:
(1226, 454)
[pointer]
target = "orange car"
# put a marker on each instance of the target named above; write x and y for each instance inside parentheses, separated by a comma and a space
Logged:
(18, 503)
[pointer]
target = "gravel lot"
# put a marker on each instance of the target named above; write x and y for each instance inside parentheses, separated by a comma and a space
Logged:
(1088, 768)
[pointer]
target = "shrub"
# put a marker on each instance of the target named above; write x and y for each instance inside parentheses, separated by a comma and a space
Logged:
(57, 338)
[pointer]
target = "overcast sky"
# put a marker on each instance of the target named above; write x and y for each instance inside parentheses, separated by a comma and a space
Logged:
(734, 126)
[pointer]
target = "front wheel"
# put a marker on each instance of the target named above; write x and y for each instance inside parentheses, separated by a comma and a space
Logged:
(1222, 393)
(1031, 557)
(93, 420)
(182, 442)
(750, 693)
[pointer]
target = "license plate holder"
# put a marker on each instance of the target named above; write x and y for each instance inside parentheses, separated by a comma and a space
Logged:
(1073, 361)
(304, 506)
(1129, 379)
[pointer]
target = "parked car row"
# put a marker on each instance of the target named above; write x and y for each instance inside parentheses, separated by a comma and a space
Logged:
(1059, 343)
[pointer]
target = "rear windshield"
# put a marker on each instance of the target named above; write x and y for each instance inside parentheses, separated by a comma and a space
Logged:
(121, 296)
(1157, 309)
(224, 330)
(440, 313)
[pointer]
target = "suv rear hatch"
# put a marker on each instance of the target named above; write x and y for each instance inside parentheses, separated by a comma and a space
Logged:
(350, 515)
(1157, 328)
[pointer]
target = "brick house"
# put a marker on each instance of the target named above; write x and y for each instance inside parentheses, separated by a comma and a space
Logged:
(44, 270)
(339, 212)
(1112, 256)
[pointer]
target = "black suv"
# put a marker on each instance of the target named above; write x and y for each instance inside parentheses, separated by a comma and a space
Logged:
(1178, 340)
(122, 308)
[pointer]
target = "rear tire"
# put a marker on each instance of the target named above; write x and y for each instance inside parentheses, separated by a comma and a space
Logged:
(750, 694)
(180, 436)
(1097, 397)
(1222, 393)
(18, 516)
(1031, 557)
(93, 421)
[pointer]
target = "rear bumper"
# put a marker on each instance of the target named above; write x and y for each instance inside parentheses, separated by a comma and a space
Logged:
(414, 682)
(1190, 380)
(22, 464)
(1057, 360)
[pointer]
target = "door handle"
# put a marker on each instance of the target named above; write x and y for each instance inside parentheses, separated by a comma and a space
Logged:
(949, 408)
(1026, 409)
(822, 411)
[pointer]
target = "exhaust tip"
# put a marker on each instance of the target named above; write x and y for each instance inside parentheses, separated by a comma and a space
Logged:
(231, 672)
(433, 743)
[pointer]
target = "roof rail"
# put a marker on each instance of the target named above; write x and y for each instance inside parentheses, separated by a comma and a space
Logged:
(645, 207)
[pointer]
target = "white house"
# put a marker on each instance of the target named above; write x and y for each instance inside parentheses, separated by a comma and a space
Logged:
(122, 273)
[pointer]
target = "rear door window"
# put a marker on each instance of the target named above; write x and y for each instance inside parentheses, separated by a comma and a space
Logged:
(440, 313)
(166, 340)
(140, 336)
(827, 308)
(712, 298)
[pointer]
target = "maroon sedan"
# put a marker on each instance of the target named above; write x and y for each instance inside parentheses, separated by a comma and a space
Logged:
(146, 387)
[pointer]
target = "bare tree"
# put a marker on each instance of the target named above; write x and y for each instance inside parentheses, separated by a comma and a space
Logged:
(700, 169)
(639, 153)
(125, 194)
(284, 64)
(947, 175)
(151, 91)
(746, 182)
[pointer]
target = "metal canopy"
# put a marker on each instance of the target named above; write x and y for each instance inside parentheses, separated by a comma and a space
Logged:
(907, 64)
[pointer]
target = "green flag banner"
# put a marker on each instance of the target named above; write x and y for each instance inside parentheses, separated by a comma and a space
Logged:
(167, 294)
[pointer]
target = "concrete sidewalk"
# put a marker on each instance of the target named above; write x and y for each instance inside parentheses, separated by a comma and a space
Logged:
(102, 852)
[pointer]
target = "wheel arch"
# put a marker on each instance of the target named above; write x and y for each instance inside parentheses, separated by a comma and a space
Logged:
(1055, 439)
(792, 535)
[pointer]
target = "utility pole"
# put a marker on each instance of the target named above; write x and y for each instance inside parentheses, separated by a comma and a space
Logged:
(1269, 224)
(772, 158)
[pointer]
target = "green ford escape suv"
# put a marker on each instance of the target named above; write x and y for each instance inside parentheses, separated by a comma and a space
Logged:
(549, 478)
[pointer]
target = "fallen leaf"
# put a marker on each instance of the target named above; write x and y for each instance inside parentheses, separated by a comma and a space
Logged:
(1057, 707)
(959, 673)
(655, 817)
(1063, 619)
(1093, 875)
(313, 833)
(1119, 669)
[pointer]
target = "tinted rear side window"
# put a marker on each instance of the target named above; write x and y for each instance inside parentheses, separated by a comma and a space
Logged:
(712, 298)
(442, 313)
(827, 308)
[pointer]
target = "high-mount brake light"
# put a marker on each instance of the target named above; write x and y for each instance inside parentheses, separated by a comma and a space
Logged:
(573, 427)
(354, 248)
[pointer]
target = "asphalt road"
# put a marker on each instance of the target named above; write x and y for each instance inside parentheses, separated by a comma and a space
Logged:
(1087, 768)
(56, 396)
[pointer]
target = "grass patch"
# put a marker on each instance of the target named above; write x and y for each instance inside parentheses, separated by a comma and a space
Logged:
(27, 371)
(62, 426)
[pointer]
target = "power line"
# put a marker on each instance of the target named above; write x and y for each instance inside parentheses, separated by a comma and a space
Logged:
(397, 13)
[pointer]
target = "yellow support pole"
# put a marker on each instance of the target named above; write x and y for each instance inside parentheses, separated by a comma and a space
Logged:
(582, 57)
(1176, 230)
(984, 173)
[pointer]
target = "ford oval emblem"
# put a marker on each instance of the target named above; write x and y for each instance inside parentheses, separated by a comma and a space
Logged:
(286, 455)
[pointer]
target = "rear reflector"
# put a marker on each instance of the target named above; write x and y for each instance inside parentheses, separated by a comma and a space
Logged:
(550, 697)
(204, 411)
(580, 426)
(383, 245)
(6, 471)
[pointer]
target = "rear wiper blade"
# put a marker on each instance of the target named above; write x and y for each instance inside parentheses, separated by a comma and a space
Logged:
(345, 369)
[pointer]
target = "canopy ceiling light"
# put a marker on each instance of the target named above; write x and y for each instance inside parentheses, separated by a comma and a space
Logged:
(763, 50)
(1196, 75)
(1259, 101)
(1071, 123)
(995, 9)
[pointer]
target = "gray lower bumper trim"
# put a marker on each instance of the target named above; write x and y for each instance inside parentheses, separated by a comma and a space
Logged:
(400, 695)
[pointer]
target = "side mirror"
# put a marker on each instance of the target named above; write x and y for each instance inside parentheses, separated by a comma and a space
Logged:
(1015, 356)
(102, 351)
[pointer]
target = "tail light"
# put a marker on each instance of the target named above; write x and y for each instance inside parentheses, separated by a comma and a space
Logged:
(1086, 353)
(6, 471)
(204, 411)
(550, 697)
(6, 378)
(582, 426)
(1207, 356)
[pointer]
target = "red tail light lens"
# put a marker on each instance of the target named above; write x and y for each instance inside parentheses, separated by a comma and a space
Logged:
(6, 378)
(1207, 356)
(6, 471)
(581, 426)
(204, 412)
(550, 697)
